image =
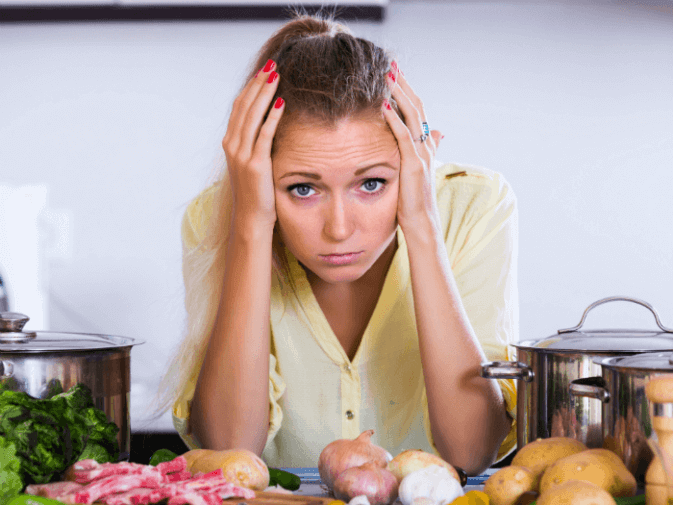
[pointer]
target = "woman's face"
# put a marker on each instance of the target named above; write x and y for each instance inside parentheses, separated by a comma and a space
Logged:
(336, 193)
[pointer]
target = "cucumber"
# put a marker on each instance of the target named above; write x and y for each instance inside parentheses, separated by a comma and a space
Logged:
(284, 479)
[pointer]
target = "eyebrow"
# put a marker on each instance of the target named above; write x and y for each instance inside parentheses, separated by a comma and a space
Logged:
(359, 171)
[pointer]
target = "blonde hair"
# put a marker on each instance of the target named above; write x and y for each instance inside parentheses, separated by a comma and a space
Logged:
(328, 75)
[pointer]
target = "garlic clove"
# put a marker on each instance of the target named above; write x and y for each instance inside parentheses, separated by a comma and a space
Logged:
(359, 500)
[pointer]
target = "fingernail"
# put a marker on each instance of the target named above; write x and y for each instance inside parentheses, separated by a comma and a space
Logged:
(394, 65)
(440, 138)
(269, 65)
(386, 104)
(279, 103)
(272, 77)
(392, 76)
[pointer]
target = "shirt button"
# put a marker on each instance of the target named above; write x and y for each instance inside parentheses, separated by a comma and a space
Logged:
(349, 414)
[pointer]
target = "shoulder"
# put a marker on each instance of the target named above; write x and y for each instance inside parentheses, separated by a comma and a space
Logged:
(470, 189)
(196, 217)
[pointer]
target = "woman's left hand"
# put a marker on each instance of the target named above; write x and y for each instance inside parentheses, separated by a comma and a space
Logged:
(417, 201)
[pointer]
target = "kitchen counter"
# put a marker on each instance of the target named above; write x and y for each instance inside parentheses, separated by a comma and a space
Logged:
(312, 486)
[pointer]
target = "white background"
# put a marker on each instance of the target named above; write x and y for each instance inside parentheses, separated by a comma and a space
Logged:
(572, 101)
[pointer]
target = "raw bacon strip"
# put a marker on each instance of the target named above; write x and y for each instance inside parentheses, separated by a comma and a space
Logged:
(207, 483)
(178, 476)
(229, 490)
(194, 498)
(215, 477)
(53, 490)
(117, 484)
(89, 470)
(139, 496)
(176, 465)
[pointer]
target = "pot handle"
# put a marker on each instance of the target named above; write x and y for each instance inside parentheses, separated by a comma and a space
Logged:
(506, 370)
(6, 370)
(618, 298)
(591, 387)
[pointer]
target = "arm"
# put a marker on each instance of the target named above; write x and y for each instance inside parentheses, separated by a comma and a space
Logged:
(467, 414)
(468, 436)
(230, 407)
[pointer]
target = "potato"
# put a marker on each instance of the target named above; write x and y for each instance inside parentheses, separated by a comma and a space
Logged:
(240, 466)
(414, 459)
(539, 454)
(190, 456)
(576, 492)
(509, 483)
(598, 466)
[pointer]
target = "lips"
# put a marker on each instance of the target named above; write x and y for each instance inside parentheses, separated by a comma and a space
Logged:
(341, 259)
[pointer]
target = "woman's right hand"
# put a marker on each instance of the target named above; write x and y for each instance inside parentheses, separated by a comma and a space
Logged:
(247, 146)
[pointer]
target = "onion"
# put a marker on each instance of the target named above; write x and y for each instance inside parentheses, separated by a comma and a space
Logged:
(343, 454)
(376, 483)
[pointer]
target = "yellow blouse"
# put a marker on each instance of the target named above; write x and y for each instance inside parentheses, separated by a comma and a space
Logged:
(316, 395)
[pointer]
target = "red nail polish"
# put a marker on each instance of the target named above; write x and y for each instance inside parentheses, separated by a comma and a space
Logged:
(269, 65)
(387, 104)
(394, 65)
(392, 76)
(258, 72)
(272, 77)
(279, 103)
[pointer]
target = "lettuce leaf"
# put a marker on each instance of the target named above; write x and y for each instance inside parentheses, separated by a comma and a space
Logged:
(10, 468)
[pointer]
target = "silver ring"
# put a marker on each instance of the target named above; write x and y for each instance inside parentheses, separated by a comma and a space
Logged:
(421, 138)
(426, 128)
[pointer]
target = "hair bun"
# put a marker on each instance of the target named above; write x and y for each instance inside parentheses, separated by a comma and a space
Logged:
(304, 25)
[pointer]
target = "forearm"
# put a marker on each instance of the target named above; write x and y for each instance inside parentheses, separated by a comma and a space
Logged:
(230, 408)
(467, 413)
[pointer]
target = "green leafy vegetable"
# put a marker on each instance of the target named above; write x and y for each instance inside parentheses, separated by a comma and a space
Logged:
(10, 478)
(162, 456)
(92, 450)
(50, 435)
(29, 499)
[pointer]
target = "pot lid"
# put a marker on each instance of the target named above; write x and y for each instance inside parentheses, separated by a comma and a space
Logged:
(605, 341)
(14, 339)
(651, 361)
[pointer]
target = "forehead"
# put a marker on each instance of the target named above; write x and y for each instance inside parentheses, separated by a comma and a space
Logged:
(351, 141)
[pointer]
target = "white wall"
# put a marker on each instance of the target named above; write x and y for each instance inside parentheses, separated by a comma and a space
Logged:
(573, 102)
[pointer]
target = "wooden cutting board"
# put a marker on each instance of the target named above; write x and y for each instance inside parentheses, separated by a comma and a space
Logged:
(269, 498)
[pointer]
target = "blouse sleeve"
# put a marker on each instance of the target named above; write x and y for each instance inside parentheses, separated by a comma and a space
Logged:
(482, 241)
(194, 225)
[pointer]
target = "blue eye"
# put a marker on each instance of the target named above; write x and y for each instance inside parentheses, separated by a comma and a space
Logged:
(300, 190)
(371, 185)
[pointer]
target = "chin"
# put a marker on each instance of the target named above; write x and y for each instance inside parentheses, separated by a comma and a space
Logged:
(338, 274)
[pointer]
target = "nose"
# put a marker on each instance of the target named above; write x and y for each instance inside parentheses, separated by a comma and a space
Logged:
(338, 220)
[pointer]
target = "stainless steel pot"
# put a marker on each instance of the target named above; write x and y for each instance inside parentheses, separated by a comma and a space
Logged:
(35, 362)
(546, 367)
(620, 389)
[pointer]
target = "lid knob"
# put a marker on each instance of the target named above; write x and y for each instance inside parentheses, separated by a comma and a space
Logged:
(11, 328)
(12, 321)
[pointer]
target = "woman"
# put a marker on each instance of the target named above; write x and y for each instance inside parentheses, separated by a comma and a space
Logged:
(338, 278)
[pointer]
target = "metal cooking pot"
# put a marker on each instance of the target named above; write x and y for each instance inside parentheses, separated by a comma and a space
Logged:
(546, 367)
(625, 408)
(35, 362)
